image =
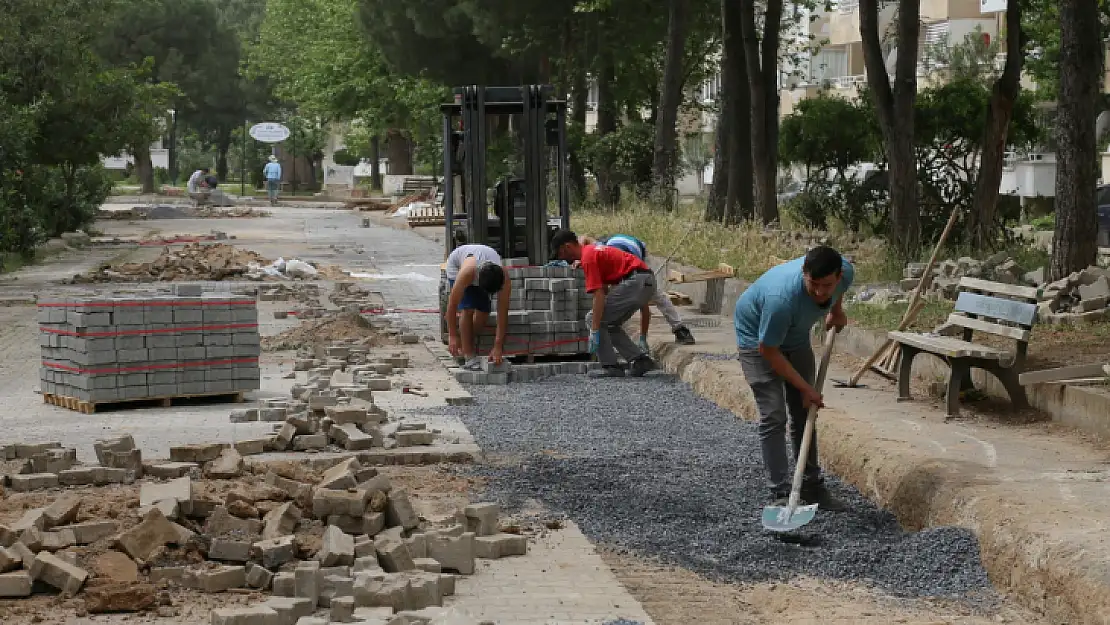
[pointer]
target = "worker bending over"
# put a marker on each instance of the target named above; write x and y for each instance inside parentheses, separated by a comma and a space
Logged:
(636, 247)
(621, 284)
(773, 320)
(474, 274)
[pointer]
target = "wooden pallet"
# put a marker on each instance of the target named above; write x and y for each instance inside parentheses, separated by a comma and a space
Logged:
(433, 216)
(88, 407)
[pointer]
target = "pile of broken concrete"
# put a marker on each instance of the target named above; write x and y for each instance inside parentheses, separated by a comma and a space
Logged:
(349, 542)
(947, 274)
(1082, 297)
(334, 408)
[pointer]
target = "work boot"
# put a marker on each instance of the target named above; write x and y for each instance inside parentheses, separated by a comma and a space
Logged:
(610, 371)
(816, 493)
(640, 366)
(682, 336)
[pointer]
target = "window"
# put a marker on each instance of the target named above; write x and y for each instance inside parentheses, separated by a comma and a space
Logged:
(829, 64)
(711, 89)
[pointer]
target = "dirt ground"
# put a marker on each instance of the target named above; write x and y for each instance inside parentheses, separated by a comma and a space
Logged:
(675, 596)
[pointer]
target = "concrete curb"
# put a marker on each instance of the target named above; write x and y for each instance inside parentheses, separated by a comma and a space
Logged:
(1074, 406)
(1042, 572)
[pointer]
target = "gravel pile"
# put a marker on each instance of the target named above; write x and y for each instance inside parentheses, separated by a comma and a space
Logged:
(649, 466)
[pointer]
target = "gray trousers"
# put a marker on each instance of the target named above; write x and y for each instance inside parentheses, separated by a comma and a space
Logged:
(668, 310)
(777, 400)
(623, 300)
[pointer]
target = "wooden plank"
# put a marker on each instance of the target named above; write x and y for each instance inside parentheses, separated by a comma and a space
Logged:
(1018, 334)
(945, 346)
(679, 277)
(1059, 374)
(996, 308)
(1024, 292)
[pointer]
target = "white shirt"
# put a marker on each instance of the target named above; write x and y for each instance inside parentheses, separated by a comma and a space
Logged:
(194, 181)
(481, 253)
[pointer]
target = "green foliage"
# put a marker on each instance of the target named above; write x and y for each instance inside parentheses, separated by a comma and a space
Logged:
(1041, 23)
(627, 153)
(345, 157)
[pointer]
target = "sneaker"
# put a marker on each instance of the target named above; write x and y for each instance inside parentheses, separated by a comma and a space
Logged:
(473, 364)
(780, 498)
(682, 336)
(818, 494)
(640, 366)
(612, 371)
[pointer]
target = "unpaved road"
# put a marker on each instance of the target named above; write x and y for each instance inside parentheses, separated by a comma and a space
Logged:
(406, 268)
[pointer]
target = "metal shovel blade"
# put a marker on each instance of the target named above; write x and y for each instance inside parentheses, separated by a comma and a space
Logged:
(779, 519)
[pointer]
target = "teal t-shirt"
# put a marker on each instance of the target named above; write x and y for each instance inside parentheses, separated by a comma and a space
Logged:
(776, 310)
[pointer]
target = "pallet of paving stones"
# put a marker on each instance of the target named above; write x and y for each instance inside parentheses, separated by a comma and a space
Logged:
(88, 407)
(152, 346)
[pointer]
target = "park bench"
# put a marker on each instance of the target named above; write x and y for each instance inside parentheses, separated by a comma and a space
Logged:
(1002, 310)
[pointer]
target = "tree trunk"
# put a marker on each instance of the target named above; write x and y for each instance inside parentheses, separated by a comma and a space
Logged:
(761, 54)
(580, 95)
(143, 167)
(398, 151)
(741, 191)
(718, 190)
(222, 147)
(665, 156)
(172, 151)
(608, 186)
(1075, 240)
(895, 109)
(981, 228)
(376, 162)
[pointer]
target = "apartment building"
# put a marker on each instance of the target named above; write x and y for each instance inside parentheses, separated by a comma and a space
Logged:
(838, 66)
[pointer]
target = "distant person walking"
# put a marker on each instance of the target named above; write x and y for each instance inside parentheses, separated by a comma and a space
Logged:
(272, 172)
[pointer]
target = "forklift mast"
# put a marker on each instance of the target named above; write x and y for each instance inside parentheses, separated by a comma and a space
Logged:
(520, 225)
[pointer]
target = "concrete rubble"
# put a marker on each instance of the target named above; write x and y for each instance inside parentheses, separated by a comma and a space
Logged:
(1082, 297)
(377, 560)
(333, 409)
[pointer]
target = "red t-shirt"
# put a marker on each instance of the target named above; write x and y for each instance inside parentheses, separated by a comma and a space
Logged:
(607, 265)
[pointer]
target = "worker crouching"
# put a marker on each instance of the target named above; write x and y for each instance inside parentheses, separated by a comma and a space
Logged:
(621, 284)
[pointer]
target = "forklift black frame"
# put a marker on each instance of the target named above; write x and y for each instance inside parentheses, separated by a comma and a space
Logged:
(538, 110)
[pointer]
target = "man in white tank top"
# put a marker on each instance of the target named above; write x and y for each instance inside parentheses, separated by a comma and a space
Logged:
(474, 273)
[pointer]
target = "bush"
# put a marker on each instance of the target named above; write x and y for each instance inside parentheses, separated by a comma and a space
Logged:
(65, 205)
(343, 157)
(161, 176)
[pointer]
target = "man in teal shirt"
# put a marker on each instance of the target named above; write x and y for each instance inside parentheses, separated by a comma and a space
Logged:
(773, 320)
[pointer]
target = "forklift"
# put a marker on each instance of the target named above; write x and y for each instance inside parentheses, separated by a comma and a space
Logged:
(520, 225)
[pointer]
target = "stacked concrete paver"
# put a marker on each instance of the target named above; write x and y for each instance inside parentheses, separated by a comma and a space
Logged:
(109, 349)
(547, 311)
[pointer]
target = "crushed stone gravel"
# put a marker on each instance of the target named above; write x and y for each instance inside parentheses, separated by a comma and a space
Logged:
(648, 466)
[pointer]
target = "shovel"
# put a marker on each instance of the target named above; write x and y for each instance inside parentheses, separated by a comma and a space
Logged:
(792, 516)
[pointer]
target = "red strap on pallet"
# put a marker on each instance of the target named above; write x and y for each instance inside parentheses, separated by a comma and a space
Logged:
(175, 365)
(226, 326)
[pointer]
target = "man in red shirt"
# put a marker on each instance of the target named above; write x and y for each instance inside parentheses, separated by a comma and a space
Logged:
(621, 284)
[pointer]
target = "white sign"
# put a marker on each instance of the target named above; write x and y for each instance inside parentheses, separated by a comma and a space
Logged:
(992, 6)
(269, 132)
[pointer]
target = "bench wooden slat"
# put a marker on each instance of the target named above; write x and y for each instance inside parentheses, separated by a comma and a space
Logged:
(1060, 374)
(996, 308)
(1024, 292)
(947, 346)
(1018, 334)
(723, 271)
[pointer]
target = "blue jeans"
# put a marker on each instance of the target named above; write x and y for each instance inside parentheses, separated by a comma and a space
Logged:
(272, 188)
